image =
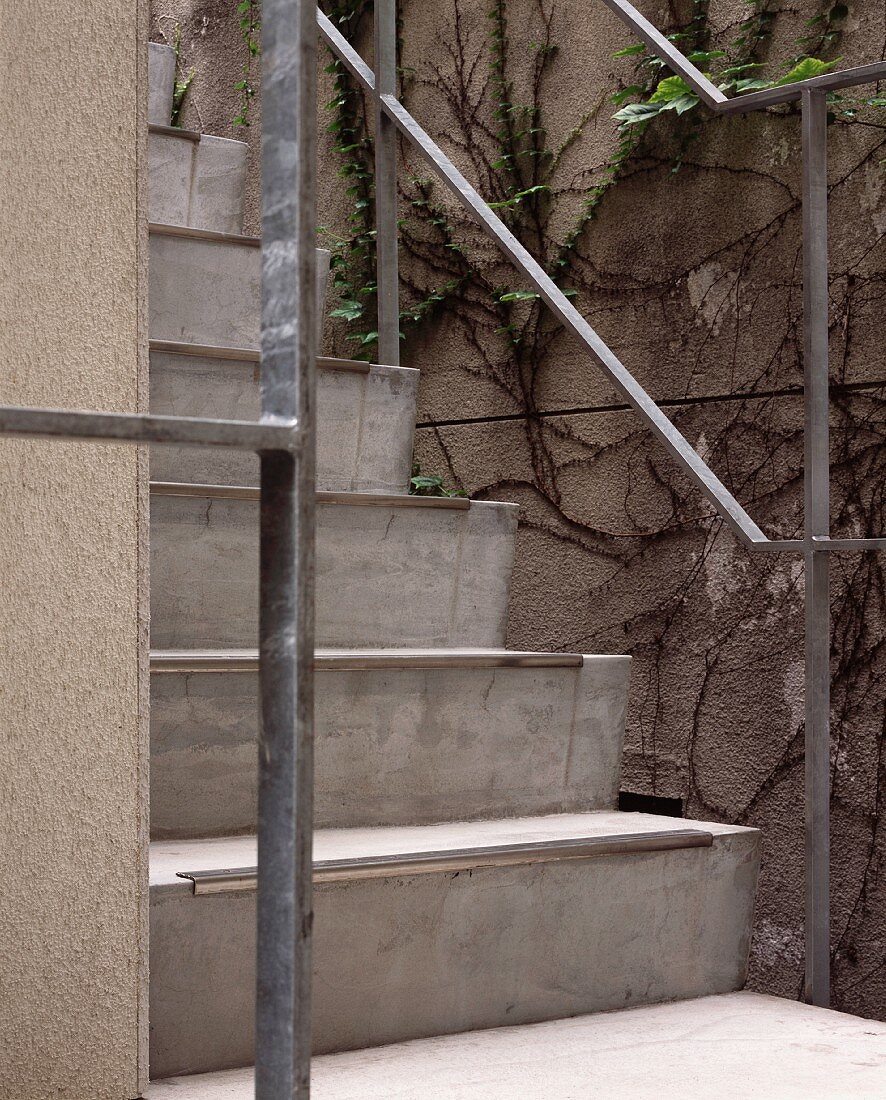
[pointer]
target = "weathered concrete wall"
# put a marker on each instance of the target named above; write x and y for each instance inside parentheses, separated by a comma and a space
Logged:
(72, 596)
(693, 279)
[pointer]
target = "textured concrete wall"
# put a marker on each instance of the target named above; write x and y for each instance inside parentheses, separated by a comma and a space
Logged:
(72, 595)
(693, 279)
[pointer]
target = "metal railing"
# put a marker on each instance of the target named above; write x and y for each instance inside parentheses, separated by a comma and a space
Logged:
(284, 439)
(816, 543)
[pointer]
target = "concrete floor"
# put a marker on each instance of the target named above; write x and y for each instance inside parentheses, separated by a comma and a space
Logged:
(731, 1047)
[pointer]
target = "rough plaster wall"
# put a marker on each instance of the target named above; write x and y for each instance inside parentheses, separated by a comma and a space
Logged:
(693, 278)
(72, 594)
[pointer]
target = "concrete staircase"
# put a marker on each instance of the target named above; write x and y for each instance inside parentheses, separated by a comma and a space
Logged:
(471, 868)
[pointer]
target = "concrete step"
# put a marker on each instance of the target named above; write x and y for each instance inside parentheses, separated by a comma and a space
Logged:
(735, 1046)
(205, 288)
(401, 737)
(392, 571)
(161, 83)
(365, 417)
(196, 180)
(435, 929)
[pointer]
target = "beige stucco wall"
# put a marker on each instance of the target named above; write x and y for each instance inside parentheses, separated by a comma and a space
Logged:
(72, 583)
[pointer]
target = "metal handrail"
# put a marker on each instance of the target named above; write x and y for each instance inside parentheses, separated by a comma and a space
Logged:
(711, 95)
(816, 543)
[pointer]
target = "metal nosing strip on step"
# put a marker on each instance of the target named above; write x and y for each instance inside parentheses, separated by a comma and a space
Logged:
(162, 229)
(248, 355)
(247, 660)
(252, 492)
(174, 131)
(240, 879)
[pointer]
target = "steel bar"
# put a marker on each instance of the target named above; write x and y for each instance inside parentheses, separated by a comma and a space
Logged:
(820, 542)
(387, 277)
(286, 613)
(247, 435)
(345, 52)
(246, 660)
(791, 93)
(817, 508)
(780, 546)
(239, 879)
(708, 93)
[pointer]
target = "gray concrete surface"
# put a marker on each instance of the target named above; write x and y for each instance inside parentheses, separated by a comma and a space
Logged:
(364, 422)
(399, 746)
(736, 1046)
(161, 81)
(196, 183)
(209, 291)
(390, 575)
(422, 955)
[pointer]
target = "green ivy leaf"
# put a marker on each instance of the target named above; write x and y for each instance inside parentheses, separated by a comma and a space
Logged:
(699, 57)
(734, 70)
(519, 296)
(619, 97)
(637, 112)
(348, 311)
(631, 51)
(745, 86)
(672, 87)
(682, 104)
(806, 69)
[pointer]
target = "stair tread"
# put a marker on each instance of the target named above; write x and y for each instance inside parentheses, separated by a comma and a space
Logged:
(732, 1045)
(253, 355)
(168, 229)
(453, 657)
(169, 857)
(194, 136)
(383, 500)
(176, 131)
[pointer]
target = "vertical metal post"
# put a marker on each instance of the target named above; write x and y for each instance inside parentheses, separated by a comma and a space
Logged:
(286, 613)
(817, 507)
(388, 297)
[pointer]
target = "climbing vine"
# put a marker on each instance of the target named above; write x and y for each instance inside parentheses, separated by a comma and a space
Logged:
(183, 80)
(249, 17)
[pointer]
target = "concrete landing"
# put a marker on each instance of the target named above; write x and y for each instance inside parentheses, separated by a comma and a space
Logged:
(736, 1046)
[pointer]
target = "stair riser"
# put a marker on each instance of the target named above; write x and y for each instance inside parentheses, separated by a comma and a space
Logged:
(161, 82)
(200, 184)
(403, 958)
(386, 576)
(405, 746)
(365, 423)
(209, 292)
